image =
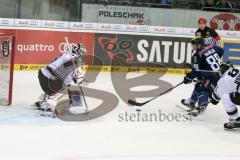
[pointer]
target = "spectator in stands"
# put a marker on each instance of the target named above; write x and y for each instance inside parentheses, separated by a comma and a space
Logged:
(125, 1)
(209, 5)
(236, 4)
(196, 4)
(165, 1)
(224, 5)
(140, 2)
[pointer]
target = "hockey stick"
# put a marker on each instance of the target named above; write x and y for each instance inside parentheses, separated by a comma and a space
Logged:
(134, 103)
(199, 70)
(80, 88)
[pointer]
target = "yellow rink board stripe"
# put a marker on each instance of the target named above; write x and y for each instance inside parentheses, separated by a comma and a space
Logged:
(234, 50)
(234, 58)
(34, 67)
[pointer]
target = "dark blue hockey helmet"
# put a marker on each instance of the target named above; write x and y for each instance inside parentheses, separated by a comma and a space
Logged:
(197, 41)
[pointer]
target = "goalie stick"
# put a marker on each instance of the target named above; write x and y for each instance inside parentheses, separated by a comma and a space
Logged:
(134, 103)
(80, 88)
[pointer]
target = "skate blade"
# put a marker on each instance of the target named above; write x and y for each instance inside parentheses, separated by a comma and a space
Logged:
(45, 114)
(188, 106)
(234, 129)
(194, 114)
(182, 107)
(237, 128)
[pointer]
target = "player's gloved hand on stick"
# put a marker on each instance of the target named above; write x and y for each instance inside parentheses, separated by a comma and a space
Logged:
(78, 77)
(187, 80)
(214, 98)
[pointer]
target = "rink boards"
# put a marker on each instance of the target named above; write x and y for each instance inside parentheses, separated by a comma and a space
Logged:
(121, 69)
(231, 48)
(114, 51)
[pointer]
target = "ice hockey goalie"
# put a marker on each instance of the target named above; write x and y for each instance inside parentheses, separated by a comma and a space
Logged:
(58, 75)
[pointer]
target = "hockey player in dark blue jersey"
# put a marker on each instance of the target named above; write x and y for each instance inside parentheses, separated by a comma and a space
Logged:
(207, 58)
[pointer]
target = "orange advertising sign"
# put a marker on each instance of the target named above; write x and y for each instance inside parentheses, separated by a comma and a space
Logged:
(41, 46)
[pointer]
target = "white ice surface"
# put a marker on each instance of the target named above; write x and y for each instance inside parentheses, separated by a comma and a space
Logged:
(24, 135)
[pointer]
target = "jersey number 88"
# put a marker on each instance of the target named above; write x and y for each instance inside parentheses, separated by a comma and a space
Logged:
(214, 61)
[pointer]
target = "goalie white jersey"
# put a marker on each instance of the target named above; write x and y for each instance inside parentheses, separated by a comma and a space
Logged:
(229, 83)
(59, 75)
(63, 67)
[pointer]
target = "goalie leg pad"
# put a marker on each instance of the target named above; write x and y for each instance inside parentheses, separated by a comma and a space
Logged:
(75, 98)
(50, 104)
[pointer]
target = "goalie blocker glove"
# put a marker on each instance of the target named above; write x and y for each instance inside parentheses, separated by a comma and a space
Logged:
(78, 77)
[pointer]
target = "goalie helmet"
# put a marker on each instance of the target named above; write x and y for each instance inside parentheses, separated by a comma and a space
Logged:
(79, 50)
(225, 66)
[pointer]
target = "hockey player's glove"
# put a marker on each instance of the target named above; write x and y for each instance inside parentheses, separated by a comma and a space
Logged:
(214, 98)
(187, 80)
(78, 77)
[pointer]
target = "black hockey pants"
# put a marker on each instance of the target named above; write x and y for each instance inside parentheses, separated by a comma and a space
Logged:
(49, 86)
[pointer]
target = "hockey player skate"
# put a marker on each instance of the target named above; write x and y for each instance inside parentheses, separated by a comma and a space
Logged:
(197, 111)
(48, 106)
(41, 99)
(188, 103)
(233, 124)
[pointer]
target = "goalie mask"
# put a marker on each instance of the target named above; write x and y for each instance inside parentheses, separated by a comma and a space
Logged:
(79, 50)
